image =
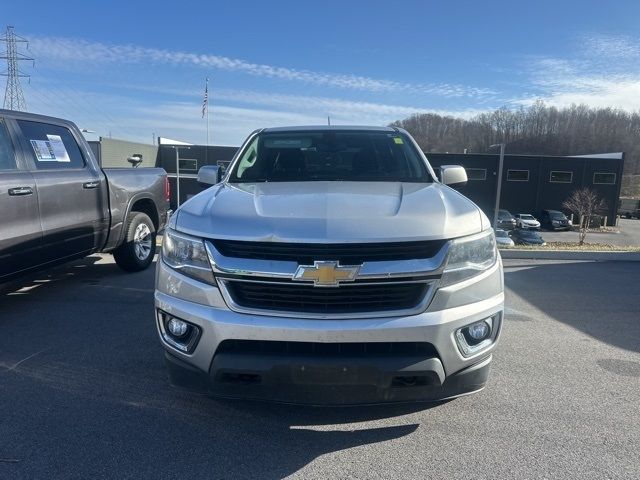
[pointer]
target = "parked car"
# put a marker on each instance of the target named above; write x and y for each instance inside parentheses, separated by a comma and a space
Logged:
(503, 238)
(629, 207)
(554, 220)
(527, 237)
(506, 221)
(316, 270)
(527, 221)
(57, 204)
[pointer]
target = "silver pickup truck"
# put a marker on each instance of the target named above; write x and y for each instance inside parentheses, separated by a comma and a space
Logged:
(330, 265)
(57, 204)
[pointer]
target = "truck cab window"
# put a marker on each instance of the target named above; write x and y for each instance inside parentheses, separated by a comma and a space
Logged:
(7, 155)
(52, 147)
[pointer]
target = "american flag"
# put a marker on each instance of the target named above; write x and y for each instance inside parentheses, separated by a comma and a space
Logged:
(205, 101)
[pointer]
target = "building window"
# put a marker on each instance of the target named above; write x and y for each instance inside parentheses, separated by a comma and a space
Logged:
(517, 175)
(476, 173)
(188, 165)
(560, 177)
(604, 178)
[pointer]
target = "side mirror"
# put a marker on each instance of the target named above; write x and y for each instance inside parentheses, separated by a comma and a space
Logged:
(453, 175)
(209, 175)
(135, 159)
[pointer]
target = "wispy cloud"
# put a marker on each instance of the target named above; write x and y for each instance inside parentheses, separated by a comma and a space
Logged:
(318, 105)
(233, 123)
(605, 72)
(611, 47)
(86, 52)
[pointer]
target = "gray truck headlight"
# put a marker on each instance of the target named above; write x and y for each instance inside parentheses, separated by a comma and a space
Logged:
(187, 255)
(469, 256)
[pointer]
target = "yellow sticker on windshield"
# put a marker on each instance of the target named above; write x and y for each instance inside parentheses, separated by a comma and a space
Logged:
(398, 140)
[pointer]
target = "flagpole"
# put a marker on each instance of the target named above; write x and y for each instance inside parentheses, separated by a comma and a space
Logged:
(206, 150)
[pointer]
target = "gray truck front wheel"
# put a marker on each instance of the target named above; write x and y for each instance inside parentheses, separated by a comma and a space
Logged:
(139, 247)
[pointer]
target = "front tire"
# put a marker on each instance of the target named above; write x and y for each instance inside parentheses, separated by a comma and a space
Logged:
(139, 247)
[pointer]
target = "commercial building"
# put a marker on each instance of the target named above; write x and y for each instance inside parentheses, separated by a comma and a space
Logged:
(531, 183)
(113, 153)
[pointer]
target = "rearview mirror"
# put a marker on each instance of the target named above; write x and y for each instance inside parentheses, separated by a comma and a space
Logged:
(209, 175)
(453, 175)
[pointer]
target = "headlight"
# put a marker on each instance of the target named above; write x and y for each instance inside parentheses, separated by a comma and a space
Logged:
(187, 255)
(469, 256)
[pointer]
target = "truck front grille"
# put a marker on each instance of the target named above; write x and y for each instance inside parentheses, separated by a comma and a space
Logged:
(348, 298)
(345, 253)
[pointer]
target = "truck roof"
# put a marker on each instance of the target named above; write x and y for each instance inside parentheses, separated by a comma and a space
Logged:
(328, 128)
(34, 117)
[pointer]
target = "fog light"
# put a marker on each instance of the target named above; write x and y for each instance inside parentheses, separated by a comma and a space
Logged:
(177, 328)
(479, 331)
(178, 333)
(478, 336)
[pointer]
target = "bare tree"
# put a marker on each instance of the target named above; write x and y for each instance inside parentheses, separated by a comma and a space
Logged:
(585, 203)
(538, 129)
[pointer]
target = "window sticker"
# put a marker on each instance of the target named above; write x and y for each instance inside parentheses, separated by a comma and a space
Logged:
(51, 150)
(398, 140)
(43, 151)
(59, 149)
(287, 142)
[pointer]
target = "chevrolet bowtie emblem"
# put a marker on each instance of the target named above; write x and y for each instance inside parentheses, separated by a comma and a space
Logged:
(326, 274)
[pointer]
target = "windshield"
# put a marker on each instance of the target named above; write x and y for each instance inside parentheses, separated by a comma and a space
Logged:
(504, 215)
(366, 156)
(501, 234)
(527, 234)
(526, 217)
(557, 215)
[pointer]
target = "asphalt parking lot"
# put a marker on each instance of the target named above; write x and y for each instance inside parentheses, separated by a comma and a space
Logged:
(627, 234)
(84, 393)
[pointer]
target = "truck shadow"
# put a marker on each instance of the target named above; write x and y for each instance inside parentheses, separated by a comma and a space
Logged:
(80, 359)
(92, 270)
(261, 440)
(597, 298)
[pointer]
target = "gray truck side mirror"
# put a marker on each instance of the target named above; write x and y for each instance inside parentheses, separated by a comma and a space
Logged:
(453, 175)
(135, 159)
(209, 174)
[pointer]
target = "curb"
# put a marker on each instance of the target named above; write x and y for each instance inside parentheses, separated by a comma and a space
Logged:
(571, 255)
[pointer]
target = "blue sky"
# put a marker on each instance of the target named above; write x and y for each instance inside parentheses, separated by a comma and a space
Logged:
(135, 69)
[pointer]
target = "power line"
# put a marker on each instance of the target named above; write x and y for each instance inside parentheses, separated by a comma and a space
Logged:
(13, 96)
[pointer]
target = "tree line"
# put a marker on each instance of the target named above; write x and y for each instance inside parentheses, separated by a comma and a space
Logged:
(539, 129)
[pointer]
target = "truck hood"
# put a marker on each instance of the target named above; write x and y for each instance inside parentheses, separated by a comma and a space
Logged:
(330, 212)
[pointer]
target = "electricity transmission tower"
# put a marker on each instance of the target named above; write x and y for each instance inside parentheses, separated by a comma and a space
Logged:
(13, 96)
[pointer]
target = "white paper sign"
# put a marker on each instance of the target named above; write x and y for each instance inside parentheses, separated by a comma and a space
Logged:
(50, 150)
(59, 150)
(43, 151)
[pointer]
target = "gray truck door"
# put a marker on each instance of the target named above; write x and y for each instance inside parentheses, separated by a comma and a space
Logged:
(20, 232)
(70, 191)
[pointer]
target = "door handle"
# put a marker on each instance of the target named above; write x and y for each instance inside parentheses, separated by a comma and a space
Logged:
(89, 185)
(17, 191)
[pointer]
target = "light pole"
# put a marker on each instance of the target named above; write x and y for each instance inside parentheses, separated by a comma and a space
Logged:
(499, 189)
(177, 149)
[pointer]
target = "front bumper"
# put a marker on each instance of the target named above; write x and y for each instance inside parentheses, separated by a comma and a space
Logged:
(318, 381)
(337, 378)
(526, 226)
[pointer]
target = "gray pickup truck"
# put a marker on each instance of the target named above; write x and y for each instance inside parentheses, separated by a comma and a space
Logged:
(57, 204)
